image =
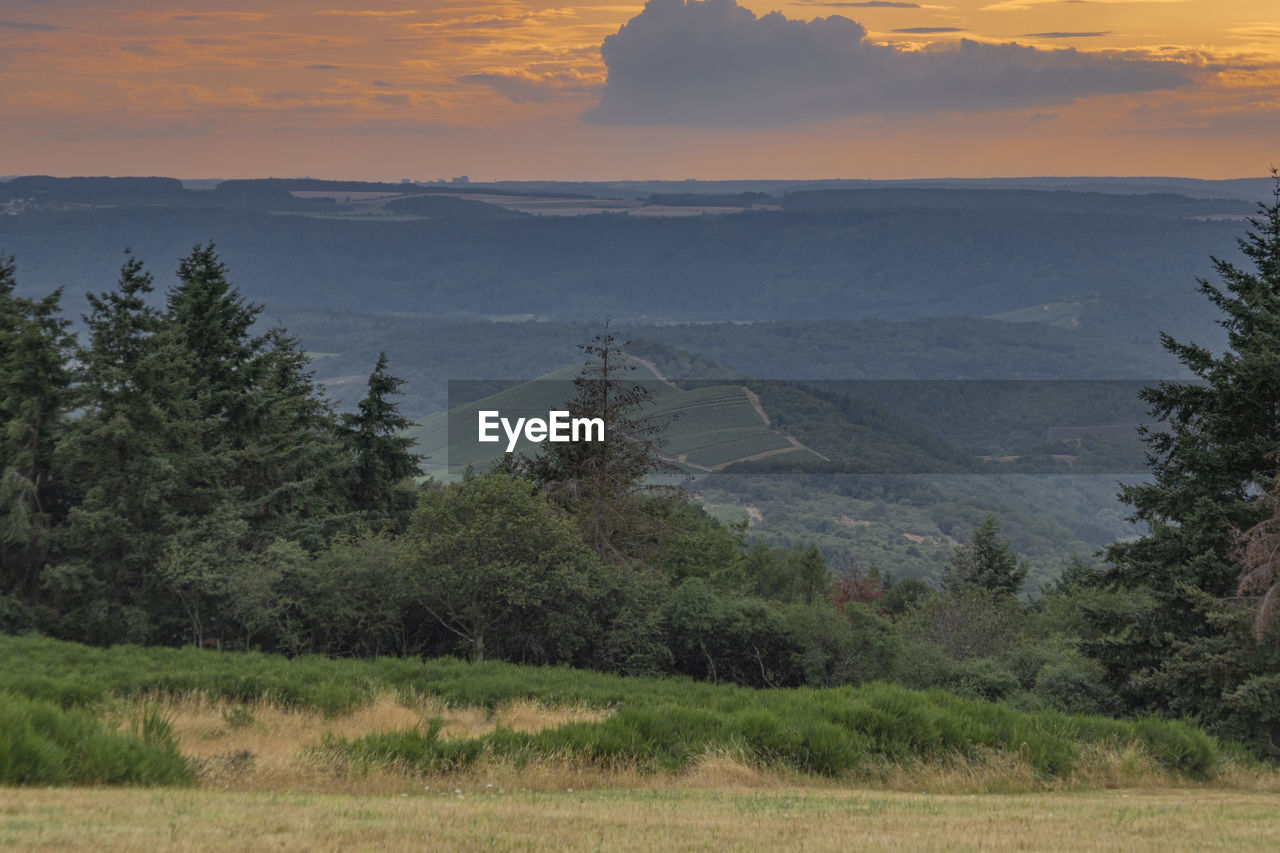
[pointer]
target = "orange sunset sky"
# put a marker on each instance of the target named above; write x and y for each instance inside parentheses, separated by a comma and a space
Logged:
(520, 89)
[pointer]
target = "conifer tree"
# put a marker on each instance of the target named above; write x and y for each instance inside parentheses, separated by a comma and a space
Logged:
(603, 483)
(116, 459)
(384, 462)
(1211, 466)
(1215, 460)
(261, 434)
(294, 466)
(985, 562)
(35, 396)
(264, 461)
(200, 445)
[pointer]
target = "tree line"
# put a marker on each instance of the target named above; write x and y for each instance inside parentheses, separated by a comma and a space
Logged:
(149, 469)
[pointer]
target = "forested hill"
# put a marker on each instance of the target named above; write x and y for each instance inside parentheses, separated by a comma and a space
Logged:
(430, 352)
(891, 254)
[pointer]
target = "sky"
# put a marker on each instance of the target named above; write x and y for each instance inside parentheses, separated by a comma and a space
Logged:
(673, 89)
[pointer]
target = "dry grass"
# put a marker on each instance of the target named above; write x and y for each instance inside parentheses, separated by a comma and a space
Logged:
(261, 787)
(643, 819)
(1004, 773)
(268, 747)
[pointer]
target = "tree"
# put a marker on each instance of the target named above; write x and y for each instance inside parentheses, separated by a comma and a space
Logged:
(1259, 554)
(202, 445)
(603, 482)
(199, 566)
(384, 463)
(293, 467)
(35, 397)
(503, 570)
(262, 435)
(985, 562)
(857, 584)
(206, 342)
(1215, 460)
(1211, 466)
(114, 460)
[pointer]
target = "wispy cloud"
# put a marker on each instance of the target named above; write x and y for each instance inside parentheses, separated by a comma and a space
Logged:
(1256, 31)
(860, 4)
(212, 17)
(31, 26)
(371, 14)
(1021, 5)
(1064, 35)
(522, 87)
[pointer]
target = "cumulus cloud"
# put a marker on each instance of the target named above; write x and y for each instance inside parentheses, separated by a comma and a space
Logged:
(715, 63)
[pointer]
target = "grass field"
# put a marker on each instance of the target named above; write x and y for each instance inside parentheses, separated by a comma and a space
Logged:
(193, 750)
(668, 819)
(71, 714)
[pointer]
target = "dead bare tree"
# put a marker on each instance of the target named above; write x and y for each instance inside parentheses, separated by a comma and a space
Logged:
(1258, 550)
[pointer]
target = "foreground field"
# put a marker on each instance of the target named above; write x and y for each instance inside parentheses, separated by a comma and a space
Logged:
(651, 819)
(253, 752)
(74, 715)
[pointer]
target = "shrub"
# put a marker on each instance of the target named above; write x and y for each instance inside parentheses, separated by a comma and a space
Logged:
(41, 743)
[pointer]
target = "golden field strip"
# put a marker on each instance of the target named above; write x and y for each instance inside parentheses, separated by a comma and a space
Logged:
(261, 785)
(267, 747)
(643, 819)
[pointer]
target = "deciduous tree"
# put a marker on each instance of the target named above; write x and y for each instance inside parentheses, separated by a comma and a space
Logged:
(502, 569)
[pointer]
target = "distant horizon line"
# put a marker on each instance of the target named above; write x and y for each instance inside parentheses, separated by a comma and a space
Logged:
(453, 181)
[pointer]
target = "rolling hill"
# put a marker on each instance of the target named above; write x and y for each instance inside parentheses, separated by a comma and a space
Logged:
(710, 427)
(816, 463)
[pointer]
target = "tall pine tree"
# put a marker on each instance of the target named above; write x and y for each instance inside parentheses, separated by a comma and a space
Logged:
(385, 465)
(201, 445)
(1211, 466)
(118, 458)
(607, 483)
(35, 397)
(266, 462)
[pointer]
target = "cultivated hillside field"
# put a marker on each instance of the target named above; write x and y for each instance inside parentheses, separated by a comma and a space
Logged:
(707, 428)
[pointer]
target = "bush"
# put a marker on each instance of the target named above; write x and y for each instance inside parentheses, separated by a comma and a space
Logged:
(43, 744)
(983, 678)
